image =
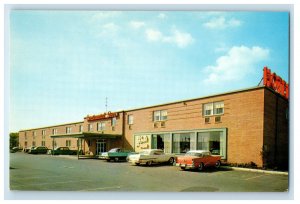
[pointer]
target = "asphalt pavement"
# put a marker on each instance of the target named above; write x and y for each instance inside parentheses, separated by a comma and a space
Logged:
(66, 173)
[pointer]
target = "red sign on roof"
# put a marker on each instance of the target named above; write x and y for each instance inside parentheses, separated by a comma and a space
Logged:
(102, 116)
(276, 83)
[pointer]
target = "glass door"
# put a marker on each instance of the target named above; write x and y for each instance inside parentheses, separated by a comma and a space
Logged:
(100, 146)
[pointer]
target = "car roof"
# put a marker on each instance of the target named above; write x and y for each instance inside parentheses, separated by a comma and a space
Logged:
(198, 151)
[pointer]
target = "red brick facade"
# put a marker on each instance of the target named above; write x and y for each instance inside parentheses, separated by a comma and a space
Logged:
(253, 127)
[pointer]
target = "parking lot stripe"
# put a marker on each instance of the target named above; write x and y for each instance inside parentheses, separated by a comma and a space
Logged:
(254, 177)
(102, 188)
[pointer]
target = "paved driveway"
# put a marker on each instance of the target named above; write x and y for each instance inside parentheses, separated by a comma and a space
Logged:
(59, 173)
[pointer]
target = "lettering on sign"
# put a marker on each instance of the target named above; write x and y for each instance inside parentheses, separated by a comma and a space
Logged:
(276, 83)
(142, 142)
(102, 116)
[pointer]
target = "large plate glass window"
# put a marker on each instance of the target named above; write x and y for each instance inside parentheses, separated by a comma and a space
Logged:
(162, 141)
(182, 142)
(214, 141)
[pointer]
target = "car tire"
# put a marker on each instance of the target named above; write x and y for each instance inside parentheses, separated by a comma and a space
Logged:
(137, 164)
(116, 159)
(218, 164)
(201, 167)
(149, 163)
(183, 168)
(171, 160)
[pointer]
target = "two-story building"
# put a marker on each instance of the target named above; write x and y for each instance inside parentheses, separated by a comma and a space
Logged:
(243, 126)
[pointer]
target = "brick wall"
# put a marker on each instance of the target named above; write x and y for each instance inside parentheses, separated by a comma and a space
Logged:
(243, 118)
(276, 139)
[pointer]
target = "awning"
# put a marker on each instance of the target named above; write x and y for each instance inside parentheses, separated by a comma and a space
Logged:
(87, 135)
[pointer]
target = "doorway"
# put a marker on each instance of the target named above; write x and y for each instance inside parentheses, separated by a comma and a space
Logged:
(100, 146)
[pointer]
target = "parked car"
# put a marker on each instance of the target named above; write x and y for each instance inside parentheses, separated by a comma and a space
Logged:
(15, 149)
(198, 159)
(151, 156)
(116, 154)
(38, 150)
(28, 149)
(62, 151)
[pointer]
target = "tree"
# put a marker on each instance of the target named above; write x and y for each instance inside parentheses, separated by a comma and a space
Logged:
(13, 139)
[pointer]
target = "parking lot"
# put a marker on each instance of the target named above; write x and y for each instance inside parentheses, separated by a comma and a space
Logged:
(66, 173)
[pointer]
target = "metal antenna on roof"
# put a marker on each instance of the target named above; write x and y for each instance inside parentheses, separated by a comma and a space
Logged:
(106, 104)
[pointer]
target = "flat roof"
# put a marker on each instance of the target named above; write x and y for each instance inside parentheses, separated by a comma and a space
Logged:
(51, 126)
(203, 97)
(174, 102)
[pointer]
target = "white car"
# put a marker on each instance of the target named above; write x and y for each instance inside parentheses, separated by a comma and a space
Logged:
(150, 156)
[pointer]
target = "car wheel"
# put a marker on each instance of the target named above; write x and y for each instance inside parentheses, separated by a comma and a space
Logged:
(171, 160)
(182, 168)
(137, 164)
(218, 164)
(201, 166)
(116, 159)
(149, 163)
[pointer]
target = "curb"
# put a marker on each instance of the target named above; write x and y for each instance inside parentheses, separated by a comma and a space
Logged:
(256, 170)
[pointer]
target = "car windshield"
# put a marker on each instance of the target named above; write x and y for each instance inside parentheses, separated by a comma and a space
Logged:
(145, 152)
(194, 154)
(114, 150)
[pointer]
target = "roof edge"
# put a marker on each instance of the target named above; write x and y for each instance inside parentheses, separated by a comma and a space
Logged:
(51, 126)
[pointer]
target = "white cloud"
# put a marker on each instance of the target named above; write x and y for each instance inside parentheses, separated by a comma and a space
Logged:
(181, 39)
(162, 16)
(222, 23)
(137, 24)
(235, 65)
(109, 29)
(105, 15)
(153, 35)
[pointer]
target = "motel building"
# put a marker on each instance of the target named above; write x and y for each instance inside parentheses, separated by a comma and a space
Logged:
(243, 126)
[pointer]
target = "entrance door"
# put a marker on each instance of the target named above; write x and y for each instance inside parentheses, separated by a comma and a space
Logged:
(100, 146)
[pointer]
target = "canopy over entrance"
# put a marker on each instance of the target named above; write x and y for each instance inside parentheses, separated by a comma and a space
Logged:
(87, 135)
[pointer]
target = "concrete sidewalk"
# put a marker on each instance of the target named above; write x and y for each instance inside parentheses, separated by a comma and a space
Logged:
(256, 170)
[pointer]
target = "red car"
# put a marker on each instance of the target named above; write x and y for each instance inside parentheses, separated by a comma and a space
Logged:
(198, 159)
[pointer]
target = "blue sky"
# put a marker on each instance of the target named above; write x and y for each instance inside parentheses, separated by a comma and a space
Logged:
(63, 64)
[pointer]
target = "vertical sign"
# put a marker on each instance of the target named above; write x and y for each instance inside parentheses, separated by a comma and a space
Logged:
(276, 83)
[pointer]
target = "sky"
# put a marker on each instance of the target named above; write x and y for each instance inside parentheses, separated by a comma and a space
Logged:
(64, 64)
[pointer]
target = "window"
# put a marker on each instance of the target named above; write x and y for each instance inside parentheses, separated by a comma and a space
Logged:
(90, 127)
(43, 143)
(54, 131)
(43, 134)
(25, 135)
(68, 143)
(68, 130)
(101, 126)
(215, 108)
(33, 144)
(208, 109)
(160, 115)
(80, 128)
(162, 141)
(130, 119)
(218, 108)
(213, 141)
(113, 122)
(183, 142)
(33, 133)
